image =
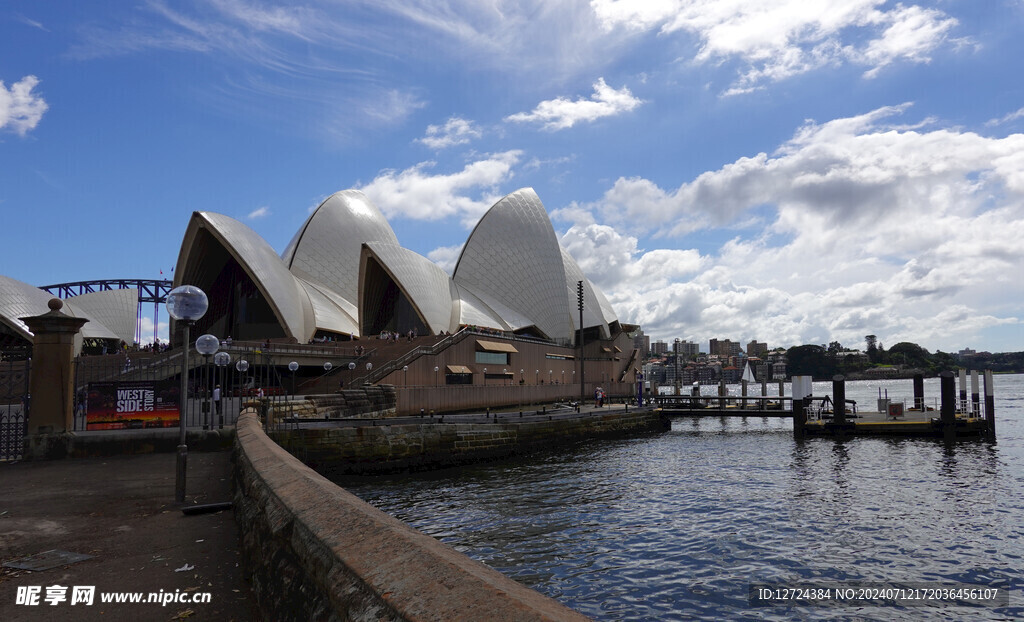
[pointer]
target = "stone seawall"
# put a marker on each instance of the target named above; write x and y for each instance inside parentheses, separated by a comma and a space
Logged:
(416, 446)
(317, 552)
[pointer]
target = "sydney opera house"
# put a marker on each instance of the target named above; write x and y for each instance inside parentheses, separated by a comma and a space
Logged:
(344, 275)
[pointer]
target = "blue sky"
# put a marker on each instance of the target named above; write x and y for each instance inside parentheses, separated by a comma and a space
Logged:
(784, 171)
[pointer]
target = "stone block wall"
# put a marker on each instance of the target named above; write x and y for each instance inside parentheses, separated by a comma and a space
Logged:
(431, 445)
(317, 552)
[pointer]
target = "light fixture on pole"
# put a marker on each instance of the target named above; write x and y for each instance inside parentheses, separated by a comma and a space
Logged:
(221, 360)
(291, 401)
(485, 376)
(186, 303)
(242, 366)
(405, 376)
(435, 374)
(206, 345)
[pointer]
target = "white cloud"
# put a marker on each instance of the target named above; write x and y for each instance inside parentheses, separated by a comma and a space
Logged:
(562, 113)
(777, 39)
(20, 108)
(446, 257)
(1013, 116)
(260, 212)
(455, 131)
(414, 193)
(871, 228)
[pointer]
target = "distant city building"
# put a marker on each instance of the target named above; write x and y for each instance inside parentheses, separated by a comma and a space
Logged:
(642, 342)
(659, 347)
(757, 348)
(687, 349)
(966, 352)
(724, 347)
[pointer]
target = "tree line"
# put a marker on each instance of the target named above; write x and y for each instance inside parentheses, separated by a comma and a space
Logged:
(901, 360)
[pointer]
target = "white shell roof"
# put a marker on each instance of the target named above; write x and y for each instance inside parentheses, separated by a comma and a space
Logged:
(19, 299)
(472, 311)
(592, 312)
(511, 274)
(326, 249)
(114, 309)
(330, 310)
(281, 289)
(513, 259)
(428, 287)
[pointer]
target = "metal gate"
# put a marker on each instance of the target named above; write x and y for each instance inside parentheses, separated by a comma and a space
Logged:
(14, 408)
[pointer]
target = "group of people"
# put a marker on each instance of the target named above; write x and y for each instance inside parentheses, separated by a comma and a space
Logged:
(389, 336)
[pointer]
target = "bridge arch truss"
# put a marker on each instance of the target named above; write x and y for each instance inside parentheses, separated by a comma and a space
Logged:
(150, 291)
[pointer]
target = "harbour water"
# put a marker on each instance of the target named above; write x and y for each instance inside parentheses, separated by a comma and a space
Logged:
(678, 525)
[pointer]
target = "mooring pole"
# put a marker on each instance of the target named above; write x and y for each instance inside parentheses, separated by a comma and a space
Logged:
(947, 412)
(800, 418)
(919, 392)
(839, 399)
(975, 397)
(990, 406)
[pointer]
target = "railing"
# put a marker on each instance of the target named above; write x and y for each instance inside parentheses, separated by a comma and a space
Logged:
(382, 371)
(14, 408)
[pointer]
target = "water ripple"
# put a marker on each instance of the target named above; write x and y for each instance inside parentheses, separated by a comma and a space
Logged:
(677, 526)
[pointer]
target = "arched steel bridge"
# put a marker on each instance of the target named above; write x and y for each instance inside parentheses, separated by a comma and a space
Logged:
(150, 291)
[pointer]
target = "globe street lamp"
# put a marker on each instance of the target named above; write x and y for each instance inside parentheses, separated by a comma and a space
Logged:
(405, 375)
(206, 345)
(435, 375)
(242, 366)
(186, 303)
(221, 360)
(291, 402)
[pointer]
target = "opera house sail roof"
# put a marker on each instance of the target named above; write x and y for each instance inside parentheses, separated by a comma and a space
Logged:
(344, 274)
(111, 313)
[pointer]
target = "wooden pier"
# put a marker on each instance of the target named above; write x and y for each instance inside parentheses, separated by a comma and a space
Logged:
(837, 417)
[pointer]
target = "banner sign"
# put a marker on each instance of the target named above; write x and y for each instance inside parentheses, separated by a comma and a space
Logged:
(131, 405)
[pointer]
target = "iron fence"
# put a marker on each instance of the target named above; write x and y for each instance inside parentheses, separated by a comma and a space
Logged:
(14, 408)
(214, 394)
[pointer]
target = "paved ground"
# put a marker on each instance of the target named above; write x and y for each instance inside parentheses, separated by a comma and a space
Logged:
(121, 510)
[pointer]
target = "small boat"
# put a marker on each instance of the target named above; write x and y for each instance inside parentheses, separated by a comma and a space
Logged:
(748, 376)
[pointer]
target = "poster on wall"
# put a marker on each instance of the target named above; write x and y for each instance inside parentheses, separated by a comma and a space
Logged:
(131, 405)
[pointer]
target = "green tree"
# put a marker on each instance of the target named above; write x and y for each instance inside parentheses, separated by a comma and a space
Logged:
(810, 360)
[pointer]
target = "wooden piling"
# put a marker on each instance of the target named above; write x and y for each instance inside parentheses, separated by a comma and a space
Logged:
(919, 392)
(947, 413)
(800, 418)
(839, 399)
(990, 407)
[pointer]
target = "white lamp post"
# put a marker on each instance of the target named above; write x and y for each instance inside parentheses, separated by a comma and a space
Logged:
(221, 360)
(206, 345)
(291, 401)
(187, 304)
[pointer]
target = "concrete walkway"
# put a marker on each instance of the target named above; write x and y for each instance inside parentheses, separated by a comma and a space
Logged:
(121, 511)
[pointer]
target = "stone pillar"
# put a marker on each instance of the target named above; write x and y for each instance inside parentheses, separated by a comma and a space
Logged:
(52, 383)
